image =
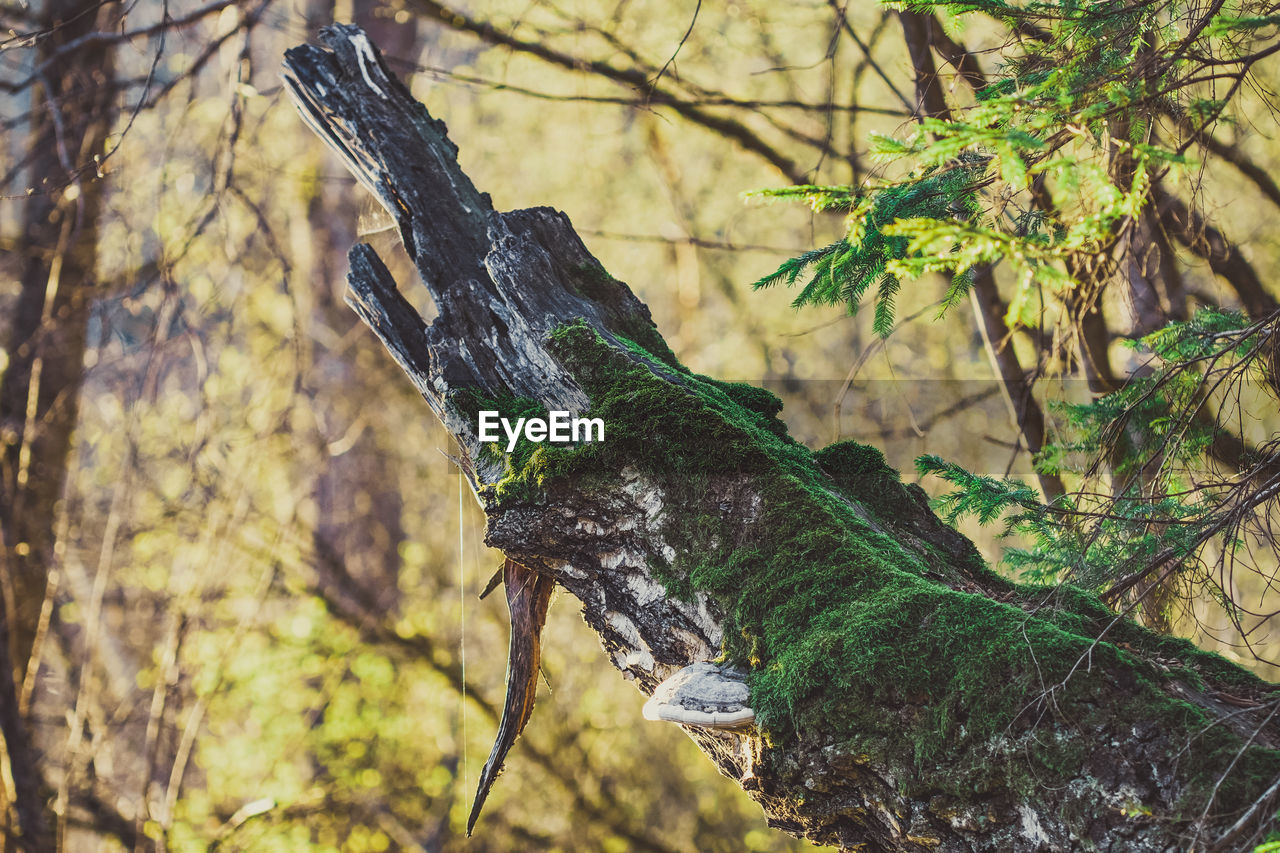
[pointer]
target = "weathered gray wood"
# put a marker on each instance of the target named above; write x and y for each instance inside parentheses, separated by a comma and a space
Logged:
(502, 282)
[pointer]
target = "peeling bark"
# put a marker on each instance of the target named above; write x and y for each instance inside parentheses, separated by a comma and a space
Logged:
(1114, 742)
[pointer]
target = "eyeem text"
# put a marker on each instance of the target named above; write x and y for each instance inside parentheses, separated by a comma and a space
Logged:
(556, 427)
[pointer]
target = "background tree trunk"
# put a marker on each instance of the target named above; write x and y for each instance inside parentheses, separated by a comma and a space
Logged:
(45, 345)
(907, 697)
(923, 34)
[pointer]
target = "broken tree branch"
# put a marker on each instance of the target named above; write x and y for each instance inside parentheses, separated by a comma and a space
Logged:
(904, 696)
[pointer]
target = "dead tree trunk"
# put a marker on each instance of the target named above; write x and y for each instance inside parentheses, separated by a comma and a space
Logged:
(906, 697)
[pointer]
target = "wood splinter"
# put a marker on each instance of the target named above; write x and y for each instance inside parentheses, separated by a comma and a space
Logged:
(528, 595)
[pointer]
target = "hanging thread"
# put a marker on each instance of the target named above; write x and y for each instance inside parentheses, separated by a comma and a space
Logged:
(462, 636)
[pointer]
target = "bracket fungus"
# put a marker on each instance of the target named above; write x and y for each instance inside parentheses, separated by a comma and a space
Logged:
(703, 694)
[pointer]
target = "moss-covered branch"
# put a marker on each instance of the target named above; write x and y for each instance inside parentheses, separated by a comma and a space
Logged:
(907, 698)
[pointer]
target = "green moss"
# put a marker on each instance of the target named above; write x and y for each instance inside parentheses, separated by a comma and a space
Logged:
(851, 465)
(678, 586)
(842, 627)
(1083, 612)
(861, 473)
(521, 481)
(759, 405)
(620, 310)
